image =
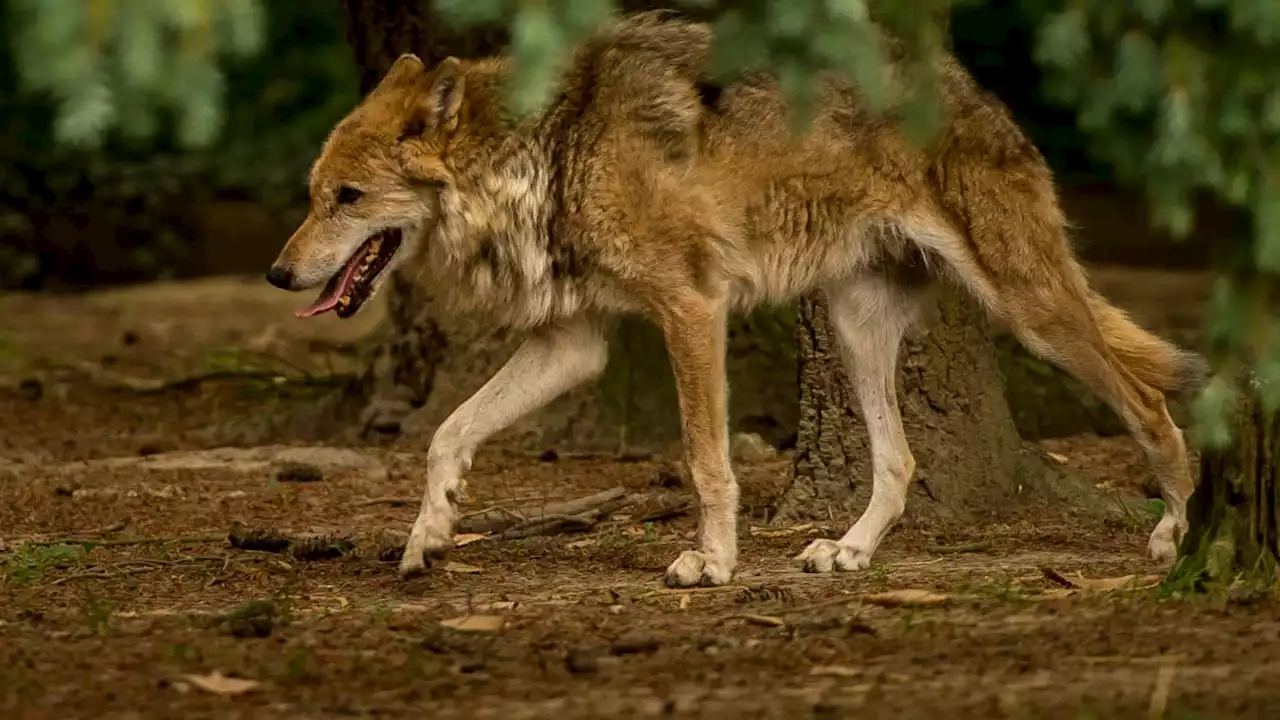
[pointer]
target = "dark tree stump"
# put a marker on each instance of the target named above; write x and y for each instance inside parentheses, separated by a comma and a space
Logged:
(1234, 514)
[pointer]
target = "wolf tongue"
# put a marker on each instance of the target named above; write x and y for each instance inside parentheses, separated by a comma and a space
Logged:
(337, 286)
(327, 300)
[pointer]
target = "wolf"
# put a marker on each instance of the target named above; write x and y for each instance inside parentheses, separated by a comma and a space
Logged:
(645, 187)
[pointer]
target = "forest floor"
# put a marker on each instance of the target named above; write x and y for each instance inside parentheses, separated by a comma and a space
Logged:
(123, 595)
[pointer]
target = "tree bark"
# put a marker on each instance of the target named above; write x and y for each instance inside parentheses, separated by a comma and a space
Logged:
(970, 460)
(1234, 514)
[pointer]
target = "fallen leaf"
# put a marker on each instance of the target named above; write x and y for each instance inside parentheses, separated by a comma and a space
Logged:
(835, 671)
(475, 623)
(576, 544)
(1126, 582)
(1056, 593)
(684, 602)
(343, 603)
(1079, 582)
(905, 598)
(500, 605)
(1060, 459)
(462, 539)
(764, 620)
(219, 684)
(457, 567)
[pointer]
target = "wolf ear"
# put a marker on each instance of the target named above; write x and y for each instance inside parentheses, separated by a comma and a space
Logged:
(438, 109)
(406, 67)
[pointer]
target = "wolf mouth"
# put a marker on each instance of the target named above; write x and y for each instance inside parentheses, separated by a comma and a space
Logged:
(352, 285)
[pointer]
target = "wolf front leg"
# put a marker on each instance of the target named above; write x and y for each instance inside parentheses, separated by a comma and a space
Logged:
(549, 363)
(694, 329)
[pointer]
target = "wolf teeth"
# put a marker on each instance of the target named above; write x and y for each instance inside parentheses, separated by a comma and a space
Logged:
(344, 300)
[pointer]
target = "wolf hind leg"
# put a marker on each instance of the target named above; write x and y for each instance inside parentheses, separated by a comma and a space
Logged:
(870, 314)
(1030, 279)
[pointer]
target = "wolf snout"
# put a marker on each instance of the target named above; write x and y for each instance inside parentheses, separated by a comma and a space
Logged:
(281, 277)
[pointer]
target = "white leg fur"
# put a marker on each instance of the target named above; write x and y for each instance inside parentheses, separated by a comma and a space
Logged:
(870, 315)
(549, 363)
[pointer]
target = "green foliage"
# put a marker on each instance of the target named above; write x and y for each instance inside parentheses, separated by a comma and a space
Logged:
(115, 63)
(28, 563)
(1180, 97)
(795, 38)
(125, 208)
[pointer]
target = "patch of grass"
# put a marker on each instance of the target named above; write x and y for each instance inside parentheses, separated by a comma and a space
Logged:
(28, 563)
(302, 667)
(254, 619)
(1005, 591)
(183, 652)
(233, 359)
(383, 613)
(11, 352)
(878, 574)
(97, 616)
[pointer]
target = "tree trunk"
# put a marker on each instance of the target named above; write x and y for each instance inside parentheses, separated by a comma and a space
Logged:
(402, 370)
(1234, 514)
(970, 460)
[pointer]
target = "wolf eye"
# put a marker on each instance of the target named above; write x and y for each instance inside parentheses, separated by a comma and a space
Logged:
(348, 195)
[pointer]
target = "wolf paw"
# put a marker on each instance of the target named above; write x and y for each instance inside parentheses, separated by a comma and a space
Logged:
(695, 568)
(823, 556)
(423, 552)
(1161, 547)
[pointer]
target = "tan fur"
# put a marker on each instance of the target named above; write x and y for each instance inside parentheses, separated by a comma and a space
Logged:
(644, 188)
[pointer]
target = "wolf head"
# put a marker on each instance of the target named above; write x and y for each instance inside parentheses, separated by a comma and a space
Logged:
(375, 187)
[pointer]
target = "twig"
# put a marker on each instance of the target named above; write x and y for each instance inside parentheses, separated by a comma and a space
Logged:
(553, 524)
(676, 592)
(187, 560)
(666, 513)
(498, 519)
(618, 455)
(970, 547)
(821, 605)
(119, 381)
(104, 575)
(140, 566)
(499, 513)
(548, 526)
(754, 619)
(129, 541)
(43, 537)
(388, 500)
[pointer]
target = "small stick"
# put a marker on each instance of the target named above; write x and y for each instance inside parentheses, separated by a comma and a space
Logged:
(753, 619)
(129, 541)
(970, 547)
(389, 500)
(496, 520)
(831, 602)
(676, 592)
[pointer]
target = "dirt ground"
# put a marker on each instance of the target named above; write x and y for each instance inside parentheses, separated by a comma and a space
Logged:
(122, 597)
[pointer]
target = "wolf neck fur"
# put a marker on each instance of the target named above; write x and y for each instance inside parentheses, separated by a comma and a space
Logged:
(496, 245)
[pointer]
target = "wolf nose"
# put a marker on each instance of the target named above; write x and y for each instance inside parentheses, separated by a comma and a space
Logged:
(280, 277)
